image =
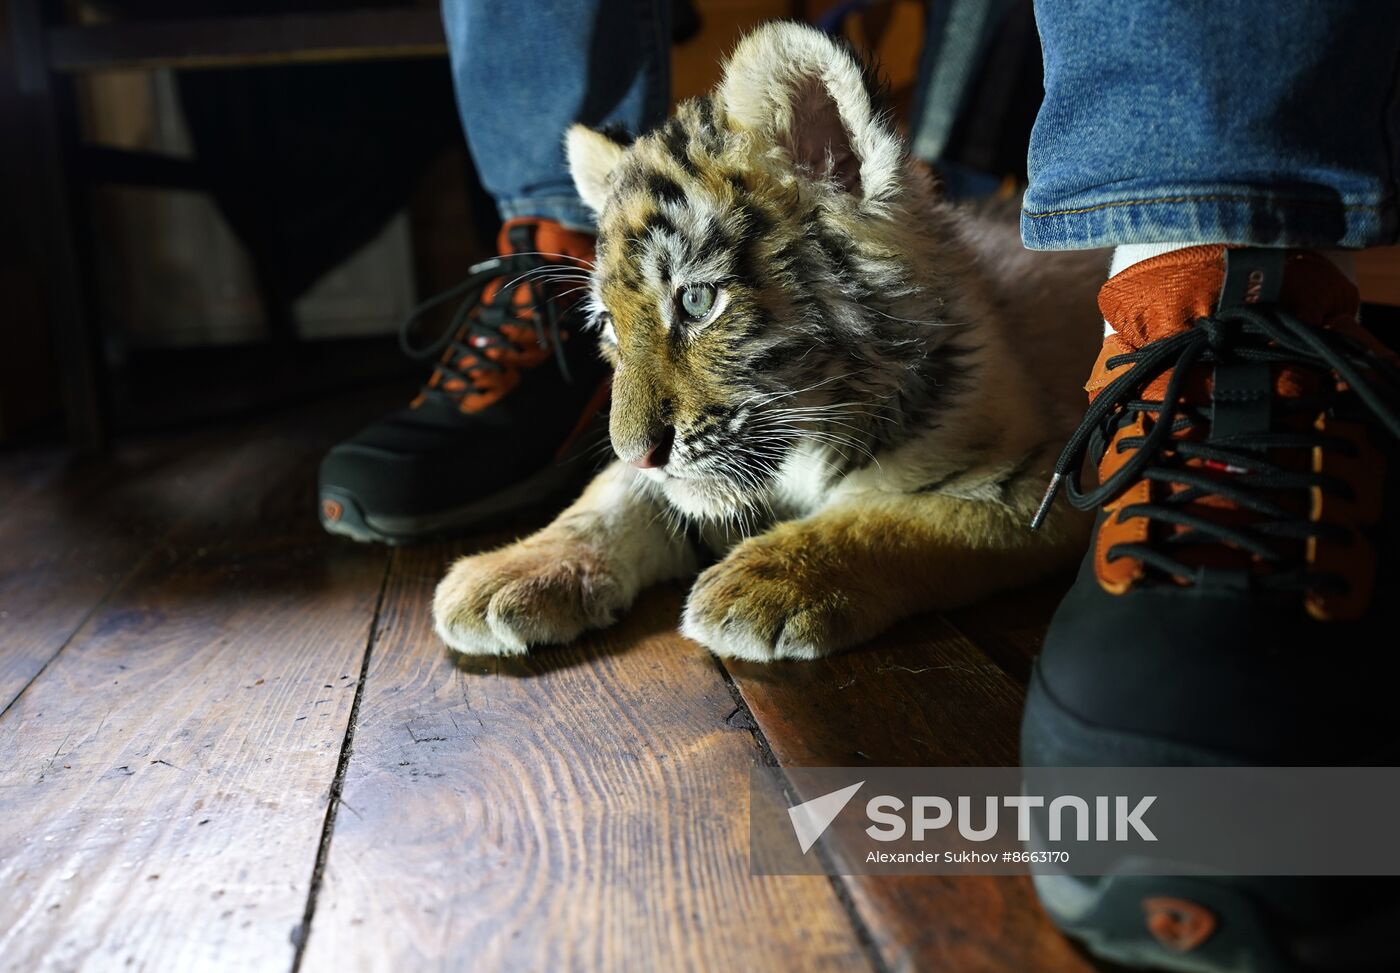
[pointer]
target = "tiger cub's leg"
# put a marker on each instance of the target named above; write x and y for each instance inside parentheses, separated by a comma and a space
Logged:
(826, 582)
(576, 574)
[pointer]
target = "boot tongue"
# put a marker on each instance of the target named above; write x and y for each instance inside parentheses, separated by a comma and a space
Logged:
(536, 236)
(1164, 295)
(1161, 296)
(547, 237)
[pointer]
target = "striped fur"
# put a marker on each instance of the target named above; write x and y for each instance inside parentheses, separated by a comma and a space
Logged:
(865, 423)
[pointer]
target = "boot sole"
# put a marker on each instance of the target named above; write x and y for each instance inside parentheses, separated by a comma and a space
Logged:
(1111, 914)
(341, 512)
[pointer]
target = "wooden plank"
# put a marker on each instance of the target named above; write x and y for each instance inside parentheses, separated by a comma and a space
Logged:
(1010, 628)
(937, 696)
(922, 695)
(163, 783)
(349, 35)
(70, 532)
(584, 808)
(26, 472)
(72, 529)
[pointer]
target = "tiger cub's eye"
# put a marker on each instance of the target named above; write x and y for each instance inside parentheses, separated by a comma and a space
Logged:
(697, 301)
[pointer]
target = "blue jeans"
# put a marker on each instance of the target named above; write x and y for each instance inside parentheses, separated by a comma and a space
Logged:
(1216, 121)
(525, 71)
(1230, 121)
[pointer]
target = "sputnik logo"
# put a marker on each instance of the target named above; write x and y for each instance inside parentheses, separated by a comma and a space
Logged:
(810, 819)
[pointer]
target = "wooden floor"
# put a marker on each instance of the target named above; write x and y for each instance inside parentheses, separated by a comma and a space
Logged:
(228, 741)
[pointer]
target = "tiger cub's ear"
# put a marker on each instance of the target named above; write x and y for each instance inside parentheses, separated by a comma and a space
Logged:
(794, 85)
(592, 157)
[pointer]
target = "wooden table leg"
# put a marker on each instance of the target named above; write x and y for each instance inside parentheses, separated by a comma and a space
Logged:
(48, 119)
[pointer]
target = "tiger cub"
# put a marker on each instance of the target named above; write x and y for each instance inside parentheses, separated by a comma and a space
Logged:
(852, 388)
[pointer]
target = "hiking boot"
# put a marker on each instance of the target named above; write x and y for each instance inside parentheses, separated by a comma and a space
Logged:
(503, 423)
(1239, 603)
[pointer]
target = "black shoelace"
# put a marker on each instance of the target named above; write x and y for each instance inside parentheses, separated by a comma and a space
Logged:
(470, 336)
(1243, 334)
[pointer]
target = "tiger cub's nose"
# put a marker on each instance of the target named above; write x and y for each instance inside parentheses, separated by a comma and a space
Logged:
(659, 452)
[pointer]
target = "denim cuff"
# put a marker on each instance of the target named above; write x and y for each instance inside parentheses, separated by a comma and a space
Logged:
(568, 210)
(1225, 214)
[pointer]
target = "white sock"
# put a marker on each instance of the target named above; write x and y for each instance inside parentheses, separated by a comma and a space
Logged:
(1127, 254)
(1135, 253)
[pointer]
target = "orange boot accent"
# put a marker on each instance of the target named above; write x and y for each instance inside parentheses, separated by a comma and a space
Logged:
(1163, 297)
(519, 347)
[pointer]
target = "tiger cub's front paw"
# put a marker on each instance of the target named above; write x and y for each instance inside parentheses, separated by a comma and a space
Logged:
(541, 591)
(762, 604)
